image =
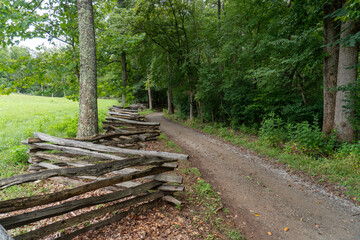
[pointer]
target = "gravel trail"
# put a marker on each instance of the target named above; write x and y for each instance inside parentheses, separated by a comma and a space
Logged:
(262, 197)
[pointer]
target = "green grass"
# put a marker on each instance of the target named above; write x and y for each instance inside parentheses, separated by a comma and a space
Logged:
(336, 169)
(146, 111)
(22, 115)
(169, 143)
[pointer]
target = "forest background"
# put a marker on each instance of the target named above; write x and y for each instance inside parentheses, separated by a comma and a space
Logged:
(285, 70)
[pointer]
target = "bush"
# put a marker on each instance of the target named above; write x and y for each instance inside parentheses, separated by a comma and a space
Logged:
(273, 130)
(308, 138)
(350, 153)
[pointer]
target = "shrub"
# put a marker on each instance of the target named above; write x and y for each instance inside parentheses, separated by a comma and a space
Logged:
(308, 137)
(350, 152)
(310, 140)
(273, 130)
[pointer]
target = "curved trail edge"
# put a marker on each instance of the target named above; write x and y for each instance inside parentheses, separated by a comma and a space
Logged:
(264, 198)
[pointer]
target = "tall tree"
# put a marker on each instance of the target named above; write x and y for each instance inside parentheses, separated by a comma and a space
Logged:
(88, 112)
(124, 75)
(169, 90)
(347, 76)
(331, 59)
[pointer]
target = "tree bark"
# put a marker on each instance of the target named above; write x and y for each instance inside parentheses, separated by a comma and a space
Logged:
(347, 75)
(77, 71)
(331, 59)
(191, 96)
(149, 92)
(88, 112)
(124, 76)
(201, 112)
(169, 92)
(170, 101)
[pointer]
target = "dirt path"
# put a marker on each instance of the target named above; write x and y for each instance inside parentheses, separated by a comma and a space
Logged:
(264, 198)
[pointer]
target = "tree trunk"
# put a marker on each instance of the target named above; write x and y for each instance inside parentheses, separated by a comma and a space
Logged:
(221, 68)
(331, 50)
(149, 92)
(212, 117)
(169, 100)
(201, 112)
(169, 93)
(88, 113)
(77, 71)
(347, 75)
(124, 76)
(191, 105)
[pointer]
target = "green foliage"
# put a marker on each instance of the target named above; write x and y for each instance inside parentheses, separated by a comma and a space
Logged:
(349, 149)
(18, 154)
(310, 140)
(341, 167)
(67, 126)
(273, 130)
(146, 112)
(350, 153)
(169, 144)
(204, 189)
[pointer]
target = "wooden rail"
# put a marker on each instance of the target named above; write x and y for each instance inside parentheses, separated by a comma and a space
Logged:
(133, 189)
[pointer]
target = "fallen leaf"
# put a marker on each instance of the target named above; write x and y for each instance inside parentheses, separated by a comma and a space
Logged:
(286, 229)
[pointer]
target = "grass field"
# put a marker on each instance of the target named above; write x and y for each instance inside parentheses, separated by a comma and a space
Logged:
(22, 115)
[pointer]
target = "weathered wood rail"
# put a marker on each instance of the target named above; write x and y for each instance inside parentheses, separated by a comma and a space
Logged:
(108, 167)
(128, 121)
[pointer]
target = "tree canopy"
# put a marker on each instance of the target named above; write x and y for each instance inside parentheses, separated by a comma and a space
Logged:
(234, 62)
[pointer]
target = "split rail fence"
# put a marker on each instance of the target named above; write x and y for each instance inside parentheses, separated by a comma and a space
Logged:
(112, 160)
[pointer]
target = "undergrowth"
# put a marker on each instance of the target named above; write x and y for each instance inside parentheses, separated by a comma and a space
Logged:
(301, 147)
